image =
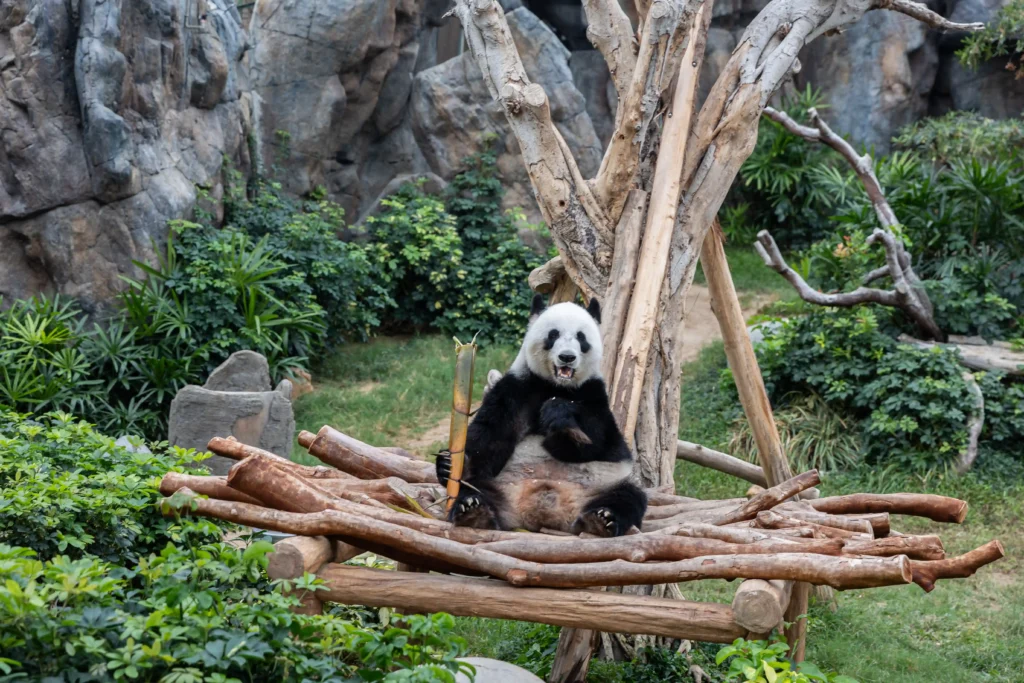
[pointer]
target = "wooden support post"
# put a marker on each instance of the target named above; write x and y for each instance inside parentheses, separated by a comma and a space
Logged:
(749, 383)
(760, 605)
(796, 633)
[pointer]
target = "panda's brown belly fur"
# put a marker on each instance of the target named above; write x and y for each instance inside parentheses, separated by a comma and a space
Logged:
(544, 493)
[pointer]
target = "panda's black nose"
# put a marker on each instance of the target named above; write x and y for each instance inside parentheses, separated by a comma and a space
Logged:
(567, 357)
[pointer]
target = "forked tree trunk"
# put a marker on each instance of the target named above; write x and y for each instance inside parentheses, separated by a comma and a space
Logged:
(641, 258)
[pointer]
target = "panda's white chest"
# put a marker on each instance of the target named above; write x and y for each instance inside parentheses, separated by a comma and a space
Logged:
(531, 461)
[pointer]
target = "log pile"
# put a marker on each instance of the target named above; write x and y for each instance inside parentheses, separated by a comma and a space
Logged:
(383, 501)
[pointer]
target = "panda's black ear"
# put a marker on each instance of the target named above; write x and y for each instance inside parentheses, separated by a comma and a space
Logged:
(594, 309)
(538, 306)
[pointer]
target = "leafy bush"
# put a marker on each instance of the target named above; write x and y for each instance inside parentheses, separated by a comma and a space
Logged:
(340, 275)
(492, 295)
(66, 488)
(764, 662)
(912, 403)
(204, 613)
(122, 592)
(963, 135)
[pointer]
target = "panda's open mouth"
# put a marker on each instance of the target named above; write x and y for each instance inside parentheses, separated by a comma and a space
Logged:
(565, 372)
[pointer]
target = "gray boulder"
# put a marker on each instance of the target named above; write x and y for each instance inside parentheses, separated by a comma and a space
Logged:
(451, 110)
(112, 112)
(236, 401)
(876, 75)
(242, 371)
(496, 671)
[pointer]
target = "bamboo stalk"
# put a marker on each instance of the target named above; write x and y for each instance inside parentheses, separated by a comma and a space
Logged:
(462, 401)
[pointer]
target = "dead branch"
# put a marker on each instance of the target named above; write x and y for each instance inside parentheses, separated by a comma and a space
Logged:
(543, 279)
(609, 30)
(722, 462)
(994, 357)
(579, 225)
(214, 487)
(236, 450)
(926, 16)
(914, 547)
(960, 567)
(367, 462)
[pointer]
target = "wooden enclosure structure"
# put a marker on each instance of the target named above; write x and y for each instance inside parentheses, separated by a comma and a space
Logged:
(372, 499)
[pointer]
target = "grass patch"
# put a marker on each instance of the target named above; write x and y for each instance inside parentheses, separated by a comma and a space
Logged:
(391, 390)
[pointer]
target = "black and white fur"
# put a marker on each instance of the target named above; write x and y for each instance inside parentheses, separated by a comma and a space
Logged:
(544, 451)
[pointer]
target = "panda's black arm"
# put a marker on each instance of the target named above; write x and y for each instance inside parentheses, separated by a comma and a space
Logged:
(590, 414)
(491, 438)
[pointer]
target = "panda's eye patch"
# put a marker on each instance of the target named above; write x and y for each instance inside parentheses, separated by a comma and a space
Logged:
(584, 344)
(550, 341)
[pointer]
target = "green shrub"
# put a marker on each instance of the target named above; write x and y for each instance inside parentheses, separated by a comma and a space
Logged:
(1000, 38)
(420, 254)
(121, 591)
(963, 135)
(491, 295)
(203, 613)
(758, 661)
(911, 402)
(341, 276)
(66, 488)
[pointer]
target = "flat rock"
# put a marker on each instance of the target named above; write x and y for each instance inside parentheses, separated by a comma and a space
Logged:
(497, 671)
(242, 371)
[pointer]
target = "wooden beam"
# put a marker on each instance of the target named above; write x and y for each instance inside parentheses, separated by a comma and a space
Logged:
(716, 460)
(614, 612)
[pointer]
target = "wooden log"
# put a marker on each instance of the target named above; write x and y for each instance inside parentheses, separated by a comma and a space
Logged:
(997, 357)
(596, 610)
(236, 450)
(722, 462)
(573, 654)
(740, 352)
(214, 487)
(759, 605)
(796, 617)
(769, 519)
(914, 547)
(365, 461)
(935, 508)
(839, 572)
(651, 548)
(927, 573)
(306, 439)
(732, 534)
(861, 526)
(666, 511)
(770, 498)
(656, 497)
(292, 557)
(615, 306)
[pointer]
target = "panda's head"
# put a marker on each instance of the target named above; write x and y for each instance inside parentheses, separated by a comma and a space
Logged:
(562, 343)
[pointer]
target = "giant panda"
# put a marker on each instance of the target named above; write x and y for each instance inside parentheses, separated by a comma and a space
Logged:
(544, 450)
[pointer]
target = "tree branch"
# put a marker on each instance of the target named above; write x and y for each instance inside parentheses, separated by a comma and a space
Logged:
(926, 16)
(581, 234)
(608, 28)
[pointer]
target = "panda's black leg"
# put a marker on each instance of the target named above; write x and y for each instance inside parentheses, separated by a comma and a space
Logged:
(613, 512)
(477, 506)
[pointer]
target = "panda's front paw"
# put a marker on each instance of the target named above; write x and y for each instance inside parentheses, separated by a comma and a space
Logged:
(473, 511)
(558, 416)
(598, 522)
(443, 467)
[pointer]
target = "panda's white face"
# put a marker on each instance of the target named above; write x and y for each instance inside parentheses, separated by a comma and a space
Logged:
(562, 345)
